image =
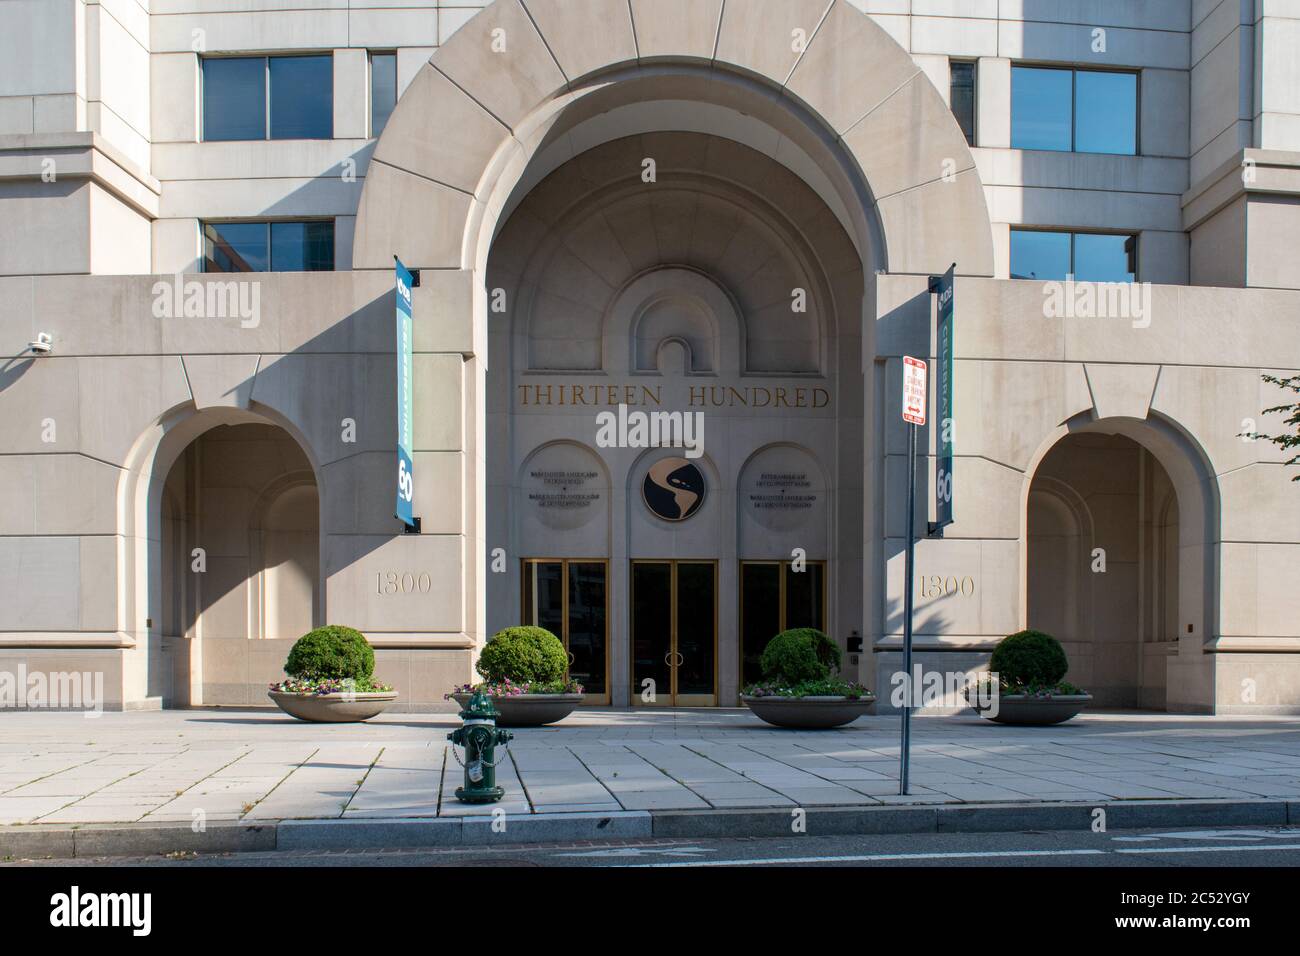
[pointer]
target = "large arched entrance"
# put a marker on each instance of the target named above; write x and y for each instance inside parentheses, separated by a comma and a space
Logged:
(568, 177)
(675, 278)
(237, 577)
(1116, 559)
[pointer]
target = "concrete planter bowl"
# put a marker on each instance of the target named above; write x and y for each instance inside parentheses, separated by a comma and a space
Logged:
(333, 708)
(1028, 711)
(529, 710)
(810, 713)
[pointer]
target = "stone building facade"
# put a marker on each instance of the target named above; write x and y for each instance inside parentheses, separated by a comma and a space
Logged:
(727, 212)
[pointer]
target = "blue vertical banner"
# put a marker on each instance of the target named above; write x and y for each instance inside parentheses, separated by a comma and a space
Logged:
(944, 287)
(405, 466)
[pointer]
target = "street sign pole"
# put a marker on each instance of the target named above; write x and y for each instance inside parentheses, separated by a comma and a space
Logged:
(915, 403)
(906, 751)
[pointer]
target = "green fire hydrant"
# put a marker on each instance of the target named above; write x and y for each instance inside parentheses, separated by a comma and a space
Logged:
(479, 736)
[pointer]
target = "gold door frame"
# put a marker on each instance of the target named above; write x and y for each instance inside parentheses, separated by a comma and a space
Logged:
(597, 699)
(781, 614)
(675, 699)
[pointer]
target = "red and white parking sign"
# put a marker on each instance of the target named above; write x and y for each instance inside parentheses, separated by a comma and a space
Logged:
(915, 392)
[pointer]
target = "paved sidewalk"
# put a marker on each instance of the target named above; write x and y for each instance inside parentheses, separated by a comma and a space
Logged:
(261, 767)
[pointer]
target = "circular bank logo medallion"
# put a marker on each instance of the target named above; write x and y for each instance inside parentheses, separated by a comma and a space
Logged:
(673, 489)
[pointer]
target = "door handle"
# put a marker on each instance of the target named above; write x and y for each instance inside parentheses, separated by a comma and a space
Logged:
(667, 661)
(571, 658)
(681, 659)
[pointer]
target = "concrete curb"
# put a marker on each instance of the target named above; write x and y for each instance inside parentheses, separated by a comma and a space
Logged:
(143, 839)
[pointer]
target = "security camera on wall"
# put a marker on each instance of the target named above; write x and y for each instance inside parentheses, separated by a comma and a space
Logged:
(43, 345)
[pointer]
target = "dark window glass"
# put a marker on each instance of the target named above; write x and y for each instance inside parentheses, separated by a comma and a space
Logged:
(1088, 257)
(1105, 107)
(805, 596)
(962, 95)
(1041, 110)
(302, 246)
(1105, 258)
(234, 98)
(760, 615)
(268, 246)
(235, 247)
(383, 89)
(302, 97)
(587, 626)
(1087, 111)
(1039, 255)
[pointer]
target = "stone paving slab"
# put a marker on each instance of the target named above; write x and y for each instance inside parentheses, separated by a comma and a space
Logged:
(259, 767)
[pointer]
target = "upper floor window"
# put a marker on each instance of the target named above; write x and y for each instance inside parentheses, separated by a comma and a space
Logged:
(1087, 256)
(1084, 111)
(383, 89)
(961, 83)
(269, 246)
(268, 97)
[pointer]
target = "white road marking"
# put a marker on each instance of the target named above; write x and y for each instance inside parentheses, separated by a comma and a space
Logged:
(880, 857)
(1284, 833)
(969, 855)
(644, 851)
(1212, 849)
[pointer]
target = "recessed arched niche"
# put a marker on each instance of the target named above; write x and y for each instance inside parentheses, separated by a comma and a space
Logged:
(673, 320)
(782, 504)
(563, 502)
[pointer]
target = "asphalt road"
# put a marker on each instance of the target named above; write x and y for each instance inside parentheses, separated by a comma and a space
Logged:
(1239, 847)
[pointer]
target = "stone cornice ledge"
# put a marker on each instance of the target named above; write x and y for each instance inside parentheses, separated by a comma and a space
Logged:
(1253, 645)
(1273, 172)
(84, 155)
(66, 640)
(383, 640)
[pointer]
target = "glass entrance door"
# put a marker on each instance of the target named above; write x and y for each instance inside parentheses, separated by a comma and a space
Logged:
(570, 598)
(674, 633)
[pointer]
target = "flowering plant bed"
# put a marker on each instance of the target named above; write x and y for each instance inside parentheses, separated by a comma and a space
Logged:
(525, 677)
(800, 688)
(320, 687)
(509, 688)
(330, 678)
(1030, 668)
(811, 688)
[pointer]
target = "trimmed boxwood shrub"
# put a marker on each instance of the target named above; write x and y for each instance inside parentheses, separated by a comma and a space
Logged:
(523, 655)
(1029, 657)
(798, 655)
(331, 652)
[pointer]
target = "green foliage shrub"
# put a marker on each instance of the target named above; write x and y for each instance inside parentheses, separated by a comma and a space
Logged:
(523, 654)
(798, 655)
(1029, 657)
(332, 651)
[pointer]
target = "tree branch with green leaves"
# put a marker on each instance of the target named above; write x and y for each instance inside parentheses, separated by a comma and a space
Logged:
(1287, 440)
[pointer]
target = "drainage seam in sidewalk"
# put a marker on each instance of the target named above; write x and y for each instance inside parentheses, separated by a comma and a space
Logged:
(279, 783)
(361, 783)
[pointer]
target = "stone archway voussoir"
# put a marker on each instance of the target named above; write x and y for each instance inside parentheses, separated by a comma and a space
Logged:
(930, 227)
(852, 66)
(770, 51)
(676, 28)
(416, 218)
(585, 35)
(452, 138)
(500, 60)
(908, 140)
